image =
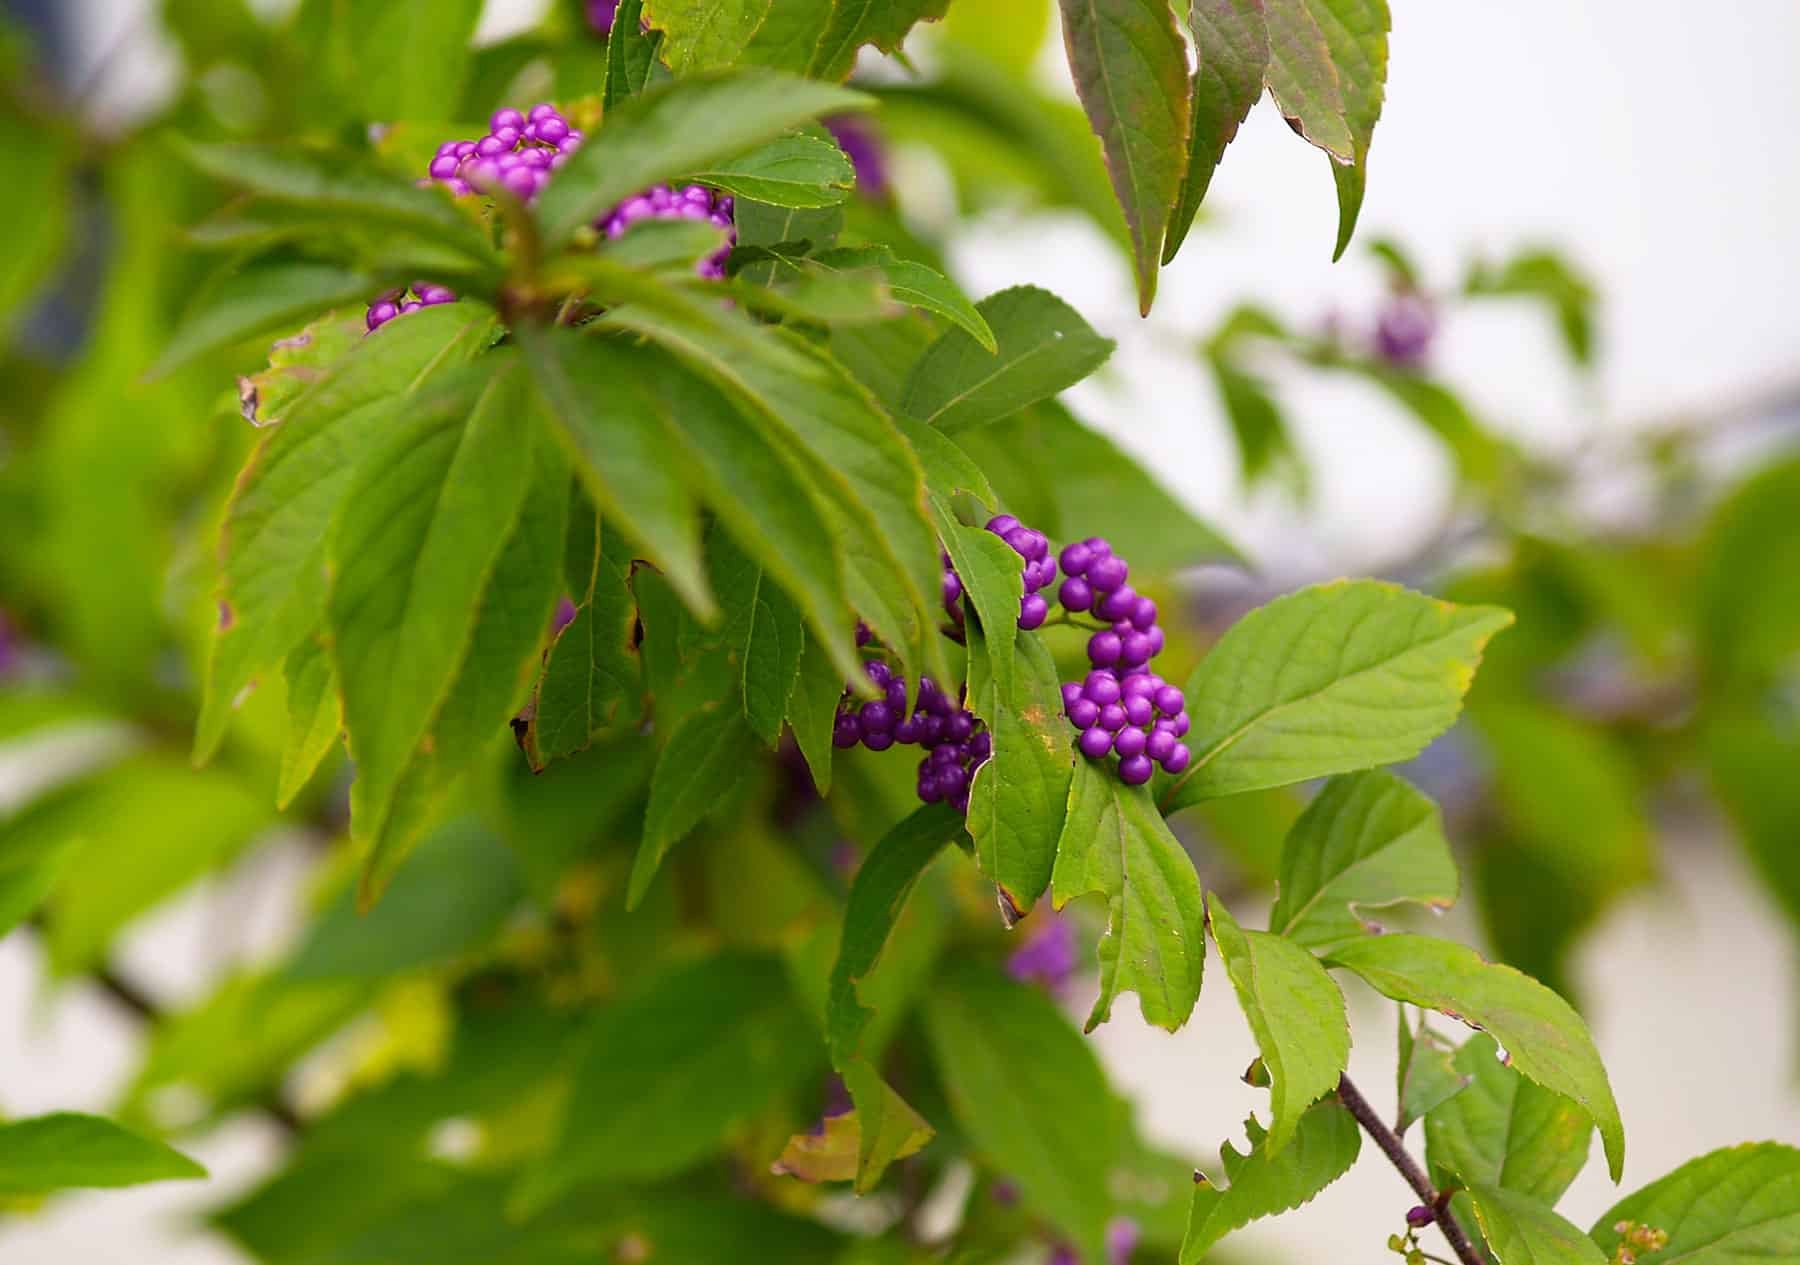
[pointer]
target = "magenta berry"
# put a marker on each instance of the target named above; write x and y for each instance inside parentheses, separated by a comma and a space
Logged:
(1075, 594)
(1095, 743)
(1130, 742)
(1135, 770)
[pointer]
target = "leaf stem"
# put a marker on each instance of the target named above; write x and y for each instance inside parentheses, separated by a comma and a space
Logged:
(1395, 1150)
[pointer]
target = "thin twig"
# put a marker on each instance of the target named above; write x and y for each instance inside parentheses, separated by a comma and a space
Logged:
(1395, 1150)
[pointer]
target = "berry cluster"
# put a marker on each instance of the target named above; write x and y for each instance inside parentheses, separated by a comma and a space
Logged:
(396, 302)
(955, 744)
(1040, 570)
(1121, 707)
(691, 202)
(518, 154)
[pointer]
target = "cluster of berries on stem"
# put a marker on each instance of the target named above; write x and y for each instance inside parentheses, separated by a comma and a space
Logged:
(954, 741)
(1040, 571)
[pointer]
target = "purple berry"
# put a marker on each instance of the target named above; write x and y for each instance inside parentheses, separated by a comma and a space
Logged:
(960, 727)
(1138, 709)
(896, 693)
(954, 781)
(909, 731)
(845, 732)
(411, 305)
(1130, 742)
(381, 314)
(542, 110)
(1135, 770)
(1134, 649)
(930, 789)
(1159, 744)
(1019, 541)
(878, 672)
(1103, 649)
(1143, 615)
(1179, 725)
(505, 118)
(443, 166)
(552, 130)
(1075, 594)
(1071, 691)
(1137, 683)
(875, 718)
(952, 588)
(1177, 760)
(1032, 611)
(863, 634)
(1420, 1216)
(1083, 713)
(1075, 558)
(1000, 524)
(1101, 686)
(1112, 717)
(1095, 743)
(1169, 700)
(878, 742)
(981, 746)
(1156, 639)
(491, 147)
(1108, 573)
(1118, 604)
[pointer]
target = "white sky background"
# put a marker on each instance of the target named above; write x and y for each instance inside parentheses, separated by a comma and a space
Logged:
(1651, 140)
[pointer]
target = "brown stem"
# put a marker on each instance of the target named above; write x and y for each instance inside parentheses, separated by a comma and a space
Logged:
(1395, 1150)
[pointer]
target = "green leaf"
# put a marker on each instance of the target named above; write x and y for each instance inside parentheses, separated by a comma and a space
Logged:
(1340, 676)
(879, 893)
(630, 54)
(1546, 275)
(460, 886)
(1231, 42)
(1261, 1184)
(297, 363)
(272, 582)
(669, 1076)
(1356, 31)
(1504, 1130)
(1740, 1203)
(771, 659)
(618, 434)
(812, 708)
(699, 36)
(1044, 347)
(593, 677)
(347, 186)
(993, 577)
(66, 1150)
(26, 882)
(1030, 1095)
(675, 128)
(915, 285)
(857, 1145)
(948, 469)
(798, 170)
(411, 55)
(1521, 1230)
(1020, 795)
(1545, 1038)
(883, 23)
(1303, 79)
(315, 717)
(35, 218)
(1426, 1077)
(1116, 844)
(258, 299)
(1131, 72)
(1295, 1011)
(1368, 840)
(423, 525)
(703, 761)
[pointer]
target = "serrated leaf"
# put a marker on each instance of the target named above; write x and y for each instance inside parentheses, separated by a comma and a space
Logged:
(618, 435)
(258, 299)
(674, 128)
(1545, 1038)
(1231, 44)
(771, 659)
(272, 582)
(1521, 1230)
(315, 717)
(1504, 1130)
(878, 894)
(854, 23)
(298, 363)
(1295, 1011)
(1131, 73)
(992, 574)
(915, 285)
(857, 1145)
(1368, 840)
(667, 1076)
(1323, 1148)
(66, 1150)
(702, 762)
(1030, 1095)
(1020, 795)
(592, 676)
(1740, 1203)
(1044, 347)
(1426, 1077)
(1303, 79)
(423, 523)
(703, 35)
(798, 170)
(1340, 676)
(812, 709)
(1114, 843)
(1356, 32)
(630, 54)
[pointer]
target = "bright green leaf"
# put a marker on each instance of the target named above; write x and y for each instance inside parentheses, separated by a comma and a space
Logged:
(1737, 1204)
(315, 717)
(1504, 1130)
(1231, 42)
(1356, 31)
(630, 54)
(797, 170)
(1303, 79)
(1426, 1077)
(1521, 1230)
(66, 1150)
(1322, 1150)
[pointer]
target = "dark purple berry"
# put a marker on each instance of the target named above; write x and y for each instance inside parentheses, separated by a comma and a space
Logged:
(1095, 743)
(981, 746)
(1075, 594)
(863, 635)
(1419, 1216)
(878, 741)
(952, 588)
(909, 730)
(954, 781)
(1020, 541)
(845, 732)
(1135, 770)
(875, 718)
(930, 789)
(960, 727)
(896, 692)
(1118, 604)
(878, 672)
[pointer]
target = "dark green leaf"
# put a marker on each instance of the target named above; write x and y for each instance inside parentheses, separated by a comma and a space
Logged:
(34, 217)
(1363, 674)
(1261, 1185)
(1741, 1203)
(675, 128)
(883, 23)
(701, 763)
(1504, 1130)
(1521, 1230)
(1044, 347)
(1426, 1077)
(1545, 1038)
(1296, 1013)
(630, 54)
(592, 677)
(1115, 843)
(66, 1150)
(1231, 43)
(798, 170)
(915, 285)
(812, 708)
(1367, 841)
(1131, 72)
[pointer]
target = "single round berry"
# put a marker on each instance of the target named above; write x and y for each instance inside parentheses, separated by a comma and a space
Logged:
(1177, 760)
(1118, 604)
(981, 746)
(381, 314)
(1179, 727)
(542, 110)
(878, 741)
(505, 118)
(896, 692)
(1156, 639)
(443, 166)
(930, 789)
(1138, 709)
(1095, 743)
(1033, 610)
(1000, 524)
(1112, 718)
(952, 588)
(845, 732)
(1071, 691)
(1101, 686)
(1130, 742)
(909, 730)
(1143, 615)
(960, 727)
(1083, 713)
(1158, 745)
(552, 130)
(954, 781)
(875, 718)
(863, 634)
(1108, 573)
(1135, 770)
(1075, 558)
(1134, 649)
(1169, 700)
(878, 672)
(1019, 539)
(1103, 649)
(1075, 594)
(1137, 683)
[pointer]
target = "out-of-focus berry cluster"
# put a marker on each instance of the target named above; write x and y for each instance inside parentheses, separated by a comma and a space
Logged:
(1121, 707)
(398, 302)
(955, 742)
(518, 154)
(1039, 571)
(691, 202)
